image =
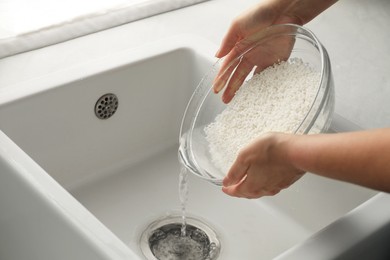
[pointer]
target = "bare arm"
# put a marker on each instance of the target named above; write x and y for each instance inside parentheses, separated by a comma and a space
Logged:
(275, 161)
(360, 157)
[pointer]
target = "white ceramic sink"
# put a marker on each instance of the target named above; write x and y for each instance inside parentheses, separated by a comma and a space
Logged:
(73, 186)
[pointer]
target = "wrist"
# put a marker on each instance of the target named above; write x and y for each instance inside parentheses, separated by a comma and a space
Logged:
(294, 154)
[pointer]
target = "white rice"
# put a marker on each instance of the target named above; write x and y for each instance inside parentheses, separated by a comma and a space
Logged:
(277, 100)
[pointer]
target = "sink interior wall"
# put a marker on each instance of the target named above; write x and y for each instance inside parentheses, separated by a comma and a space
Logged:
(59, 130)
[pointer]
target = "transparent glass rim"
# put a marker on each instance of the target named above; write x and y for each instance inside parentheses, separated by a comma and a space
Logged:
(323, 89)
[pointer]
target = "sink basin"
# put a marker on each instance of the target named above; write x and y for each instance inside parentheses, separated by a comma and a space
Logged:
(74, 186)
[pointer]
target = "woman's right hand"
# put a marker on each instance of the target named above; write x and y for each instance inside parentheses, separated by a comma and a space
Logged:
(246, 29)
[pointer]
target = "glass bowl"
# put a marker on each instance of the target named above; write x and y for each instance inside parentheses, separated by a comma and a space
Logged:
(205, 105)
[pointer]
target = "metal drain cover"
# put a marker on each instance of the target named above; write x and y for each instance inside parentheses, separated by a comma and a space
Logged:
(106, 106)
(162, 240)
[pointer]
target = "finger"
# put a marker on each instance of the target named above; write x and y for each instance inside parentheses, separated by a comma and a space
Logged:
(238, 77)
(229, 64)
(227, 45)
(236, 173)
(252, 187)
(223, 75)
(233, 190)
(236, 51)
(230, 39)
(240, 191)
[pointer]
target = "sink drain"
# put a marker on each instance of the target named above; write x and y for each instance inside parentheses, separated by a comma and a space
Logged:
(162, 240)
(106, 106)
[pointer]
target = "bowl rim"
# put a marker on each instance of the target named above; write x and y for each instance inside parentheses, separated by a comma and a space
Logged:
(308, 120)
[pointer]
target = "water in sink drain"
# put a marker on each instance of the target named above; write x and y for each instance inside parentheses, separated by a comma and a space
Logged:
(167, 243)
(163, 240)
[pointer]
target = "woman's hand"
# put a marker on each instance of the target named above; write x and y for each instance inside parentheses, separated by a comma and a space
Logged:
(262, 168)
(274, 161)
(248, 27)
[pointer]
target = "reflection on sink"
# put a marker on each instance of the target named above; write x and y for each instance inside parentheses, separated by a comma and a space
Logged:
(124, 170)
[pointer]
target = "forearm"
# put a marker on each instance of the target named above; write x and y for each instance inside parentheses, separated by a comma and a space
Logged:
(270, 12)
(358, 157)
(309, 9)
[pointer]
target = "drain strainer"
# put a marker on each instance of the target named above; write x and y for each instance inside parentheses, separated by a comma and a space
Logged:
(106, 106)
(163, 240)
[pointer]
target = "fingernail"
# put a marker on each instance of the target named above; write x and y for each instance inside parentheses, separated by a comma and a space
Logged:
(226, 97)
(217, 53)
(225, 190)
(226, 182)
(217, 87)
